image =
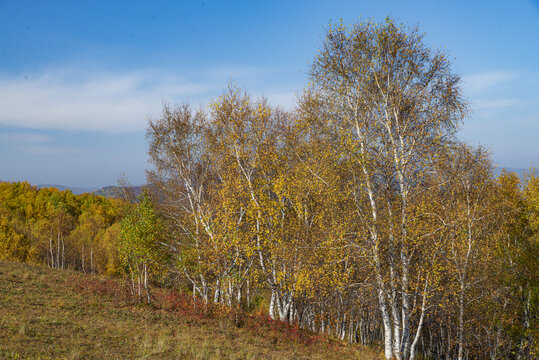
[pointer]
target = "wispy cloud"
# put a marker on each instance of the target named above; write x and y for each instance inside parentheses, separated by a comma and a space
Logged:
(72, 98)
(49, 149)
(35, 143)
(495, 104)
(25, 138)
(236, 72)
(477, 83)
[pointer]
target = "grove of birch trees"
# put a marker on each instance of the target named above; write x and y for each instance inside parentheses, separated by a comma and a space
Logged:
(360, 213)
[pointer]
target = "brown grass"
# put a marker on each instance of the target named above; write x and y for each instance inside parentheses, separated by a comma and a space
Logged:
(49, 314)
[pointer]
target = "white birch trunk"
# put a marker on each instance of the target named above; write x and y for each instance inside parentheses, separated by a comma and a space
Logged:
(82, 258)
(58, 251)
(461, 323)
(51, 251)
(272, 305)
(92, 260)
(413, 346)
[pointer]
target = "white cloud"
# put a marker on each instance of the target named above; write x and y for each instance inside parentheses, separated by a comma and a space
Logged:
(27, 138)
(49, 149)
(495, 104)
(75, 98)
(236, 72)
(100, 101)
(34, 143)
(477, 83)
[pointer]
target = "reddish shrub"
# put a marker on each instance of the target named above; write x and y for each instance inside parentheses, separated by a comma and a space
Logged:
(187, 306)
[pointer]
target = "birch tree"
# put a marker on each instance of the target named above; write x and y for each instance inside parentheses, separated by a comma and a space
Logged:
(246, 145)
(392, 104)
(140, 245)
(471, 218)
(204, 220)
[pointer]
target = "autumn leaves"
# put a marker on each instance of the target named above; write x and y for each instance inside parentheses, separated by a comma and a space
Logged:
(360, 199)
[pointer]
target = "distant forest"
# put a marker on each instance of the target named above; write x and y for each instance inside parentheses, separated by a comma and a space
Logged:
(60, 229)
(107, 191)
(358, 214)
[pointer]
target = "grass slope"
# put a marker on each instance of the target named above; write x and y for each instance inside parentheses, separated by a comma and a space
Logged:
(47, 314)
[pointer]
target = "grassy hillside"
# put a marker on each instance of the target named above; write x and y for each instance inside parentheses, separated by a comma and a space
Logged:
(51, 314)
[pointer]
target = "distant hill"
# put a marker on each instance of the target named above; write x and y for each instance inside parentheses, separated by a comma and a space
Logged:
(107, 191)
(118, 191)
(73, 189)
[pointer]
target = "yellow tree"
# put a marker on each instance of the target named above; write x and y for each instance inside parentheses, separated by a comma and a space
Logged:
(140, 246)
(470, 214)
(245, 145)
(201, 230)
(91, 223)
(391, 104)
(528, 268)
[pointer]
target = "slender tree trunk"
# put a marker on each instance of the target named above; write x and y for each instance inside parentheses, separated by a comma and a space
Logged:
(146, 283)
(396, 322)
(51, 251)
(406, 338)
(229, 293)
(248, 297)
(194, 297)
(461, 322)
(448, 348)
(238, 295)
(82, 258)
(138, 284)
(217, 293)
(420, 325)
(361, 331)
(92, 259)
(133, 288)
(63, 253)
(58, 251)
(388, 340)
(464, 274)
(525, 341)
(272, 305)
(386, 318)
(278, 299)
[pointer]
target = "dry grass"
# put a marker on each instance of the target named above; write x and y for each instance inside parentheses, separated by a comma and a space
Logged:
(44, 314)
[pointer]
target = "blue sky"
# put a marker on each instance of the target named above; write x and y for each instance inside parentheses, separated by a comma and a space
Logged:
(78, 79)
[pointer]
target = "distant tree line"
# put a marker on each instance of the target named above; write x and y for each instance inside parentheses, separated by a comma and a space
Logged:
(358, 214)
(60, 229)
